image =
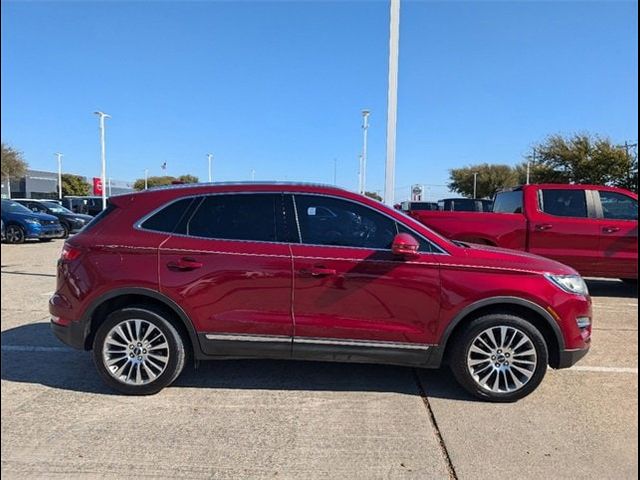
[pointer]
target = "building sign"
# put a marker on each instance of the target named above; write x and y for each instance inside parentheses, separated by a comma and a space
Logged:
(97, 186)
(416, 193)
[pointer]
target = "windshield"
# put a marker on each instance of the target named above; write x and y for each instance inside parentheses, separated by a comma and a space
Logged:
(56, 207)
(14, 207)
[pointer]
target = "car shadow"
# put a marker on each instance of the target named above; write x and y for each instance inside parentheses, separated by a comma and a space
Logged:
(30, 354)
(611, 288)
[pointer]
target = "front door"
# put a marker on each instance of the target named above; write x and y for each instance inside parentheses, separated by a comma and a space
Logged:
(352, 297)
(229, 267)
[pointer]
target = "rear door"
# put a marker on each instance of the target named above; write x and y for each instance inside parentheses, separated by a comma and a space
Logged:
(228, 264)
(618, 225)
(563, 228)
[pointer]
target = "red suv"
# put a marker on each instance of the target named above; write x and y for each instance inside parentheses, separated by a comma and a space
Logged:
(307, 272)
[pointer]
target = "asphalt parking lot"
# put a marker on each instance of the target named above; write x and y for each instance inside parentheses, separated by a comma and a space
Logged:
(276, 419)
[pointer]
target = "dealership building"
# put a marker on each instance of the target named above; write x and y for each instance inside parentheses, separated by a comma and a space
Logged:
(41, 184)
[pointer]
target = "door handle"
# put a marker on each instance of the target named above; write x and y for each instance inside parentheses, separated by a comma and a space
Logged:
(610, 229)
(543, 227)
(184, 264)
(318, 271)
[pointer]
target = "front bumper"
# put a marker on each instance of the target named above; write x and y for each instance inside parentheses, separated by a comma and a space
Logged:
(45, 233)
(569, 358)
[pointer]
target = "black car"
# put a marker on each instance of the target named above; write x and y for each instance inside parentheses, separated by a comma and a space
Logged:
(89, 205)
(465, 205)
(71, 222)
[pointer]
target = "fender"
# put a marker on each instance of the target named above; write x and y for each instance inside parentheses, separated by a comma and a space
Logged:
(152, 294)
(438, 352)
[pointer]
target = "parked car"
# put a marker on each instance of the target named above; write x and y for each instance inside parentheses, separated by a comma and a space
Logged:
(417, 206)
(22, 224)
(2, 227)
(71, 222)
(88, 205)
(592, 228)
(307, 272)
(465, 205)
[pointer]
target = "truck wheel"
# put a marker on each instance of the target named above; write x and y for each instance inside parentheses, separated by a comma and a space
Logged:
(499, 358)
(138, 351)
(14, 234)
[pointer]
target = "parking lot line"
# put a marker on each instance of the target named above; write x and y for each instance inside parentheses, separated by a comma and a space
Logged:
(586, 368)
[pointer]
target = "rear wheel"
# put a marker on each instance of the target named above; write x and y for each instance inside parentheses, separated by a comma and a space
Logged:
(500, 358)
(138, 351)
(14, 234)
(65, 231)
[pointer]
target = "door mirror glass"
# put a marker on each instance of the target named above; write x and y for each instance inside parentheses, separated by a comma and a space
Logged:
(405, 245)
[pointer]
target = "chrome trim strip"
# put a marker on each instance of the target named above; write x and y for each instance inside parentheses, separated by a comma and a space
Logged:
(239, 337)
(361, 343)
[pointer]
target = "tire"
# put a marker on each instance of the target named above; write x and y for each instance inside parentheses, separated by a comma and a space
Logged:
(481, 354)
(14, 234)
(632, 282)
(137, 371)
(65, 231)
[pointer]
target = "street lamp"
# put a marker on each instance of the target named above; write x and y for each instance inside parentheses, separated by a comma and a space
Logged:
(103, 154)
(365, 129)
(475, 184)
(210, 159)
(392, 103)
(59, 155)
(146, 178)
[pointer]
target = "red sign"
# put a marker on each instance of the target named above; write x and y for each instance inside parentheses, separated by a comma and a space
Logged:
(97, 186)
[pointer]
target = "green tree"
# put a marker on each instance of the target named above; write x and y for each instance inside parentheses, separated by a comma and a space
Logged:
(74, 185)
(153, 182)
(584, 158)
(188, 178)
(13, 163)
(373, 195)
(490, 179)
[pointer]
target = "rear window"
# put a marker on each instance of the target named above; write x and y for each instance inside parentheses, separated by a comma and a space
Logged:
(563, 203)
(508, 202)
(166, 219)
(250, 217)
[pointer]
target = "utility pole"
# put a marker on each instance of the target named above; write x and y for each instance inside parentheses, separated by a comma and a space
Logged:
(146, 178)
(210, 159)
(365, 130)
(253, 175)
(59, 156)
(103, 156)
(475, 184)
(392, 102)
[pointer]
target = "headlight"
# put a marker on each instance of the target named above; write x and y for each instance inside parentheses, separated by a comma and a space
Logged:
(32, 221)
(569, 283)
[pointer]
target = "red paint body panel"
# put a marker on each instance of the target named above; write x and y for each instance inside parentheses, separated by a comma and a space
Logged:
(579, 242)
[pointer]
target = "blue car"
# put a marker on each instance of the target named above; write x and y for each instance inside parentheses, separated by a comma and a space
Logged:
(21, 224)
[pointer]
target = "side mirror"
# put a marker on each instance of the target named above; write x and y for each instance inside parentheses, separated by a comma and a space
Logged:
(404, 245)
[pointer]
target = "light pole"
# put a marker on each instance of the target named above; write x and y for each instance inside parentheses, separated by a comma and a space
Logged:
(365, 130)
(146, 178)
(210, 159)
(533, 159)
(103, 154)
(59, 156)
(475, 184)
(335, 171)
(253, 175)
(392, 102)
(360, 174)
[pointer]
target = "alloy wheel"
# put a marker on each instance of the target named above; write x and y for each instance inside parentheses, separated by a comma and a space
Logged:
(14, 234)
(502, 359)
(135, 352)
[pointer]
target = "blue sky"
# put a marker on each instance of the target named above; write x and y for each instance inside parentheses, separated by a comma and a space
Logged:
(278, 87)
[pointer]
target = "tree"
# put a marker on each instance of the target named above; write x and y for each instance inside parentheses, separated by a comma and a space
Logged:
(489, 180)
(373, 195)
(163, 181)
(188, 178)
(74, 185)
(584, 158)
(13, 163)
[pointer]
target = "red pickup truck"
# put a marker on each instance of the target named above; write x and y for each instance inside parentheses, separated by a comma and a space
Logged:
(593, 229)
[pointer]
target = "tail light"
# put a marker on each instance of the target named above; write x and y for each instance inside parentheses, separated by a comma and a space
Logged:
(69, 253)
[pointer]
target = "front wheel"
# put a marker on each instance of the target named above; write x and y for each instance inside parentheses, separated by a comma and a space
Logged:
(138, 351)
(500, 358)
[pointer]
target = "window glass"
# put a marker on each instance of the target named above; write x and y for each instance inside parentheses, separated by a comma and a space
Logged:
(508, 202)
(332, 221)
(618, 206)
(564, 203)
(236, 217)
(166, 219)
